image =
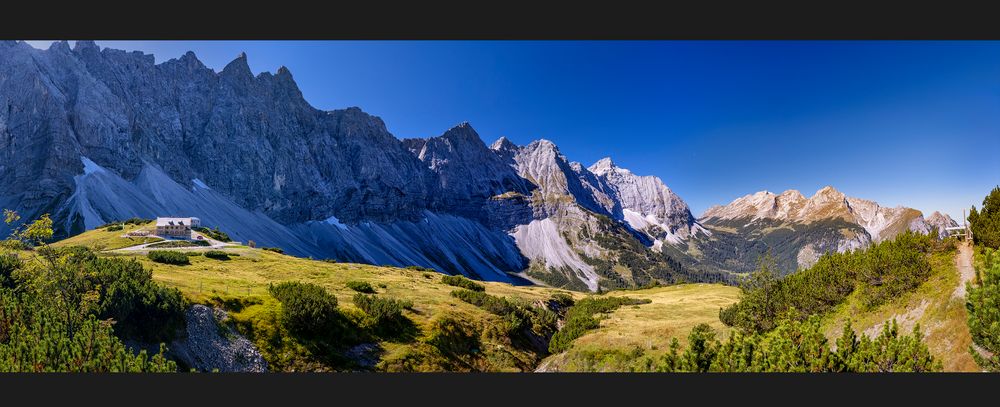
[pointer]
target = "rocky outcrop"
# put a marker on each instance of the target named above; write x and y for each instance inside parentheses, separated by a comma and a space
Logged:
(210, 344)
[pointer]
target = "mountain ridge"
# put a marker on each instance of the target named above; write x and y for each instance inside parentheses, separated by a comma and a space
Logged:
(93, 135)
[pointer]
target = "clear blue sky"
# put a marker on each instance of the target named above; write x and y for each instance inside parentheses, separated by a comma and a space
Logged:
(902, 123)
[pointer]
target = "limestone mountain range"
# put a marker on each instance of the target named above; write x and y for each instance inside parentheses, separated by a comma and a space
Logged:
(93, 135)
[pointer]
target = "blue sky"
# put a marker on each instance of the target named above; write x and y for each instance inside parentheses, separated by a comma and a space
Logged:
(903, 123)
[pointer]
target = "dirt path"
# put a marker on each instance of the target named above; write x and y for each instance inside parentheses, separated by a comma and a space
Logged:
(965, 270)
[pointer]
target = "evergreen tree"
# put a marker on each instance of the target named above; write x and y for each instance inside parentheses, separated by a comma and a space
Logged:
(983, 305)
(985, 224)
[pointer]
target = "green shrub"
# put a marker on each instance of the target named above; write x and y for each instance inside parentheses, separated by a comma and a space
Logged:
(173, 244)
(274, 249)
(562, 300)
(461, 281)
(983, 305)
(217, 255)
(9, 263)
(797, 346)
(169, 257)
(14, 244)
(37, 338)
(384, 317)
(361, 287)
(114, 228)
(418, 268)
(307, 309)
(377, 308)
(142, 309)
(214, 234)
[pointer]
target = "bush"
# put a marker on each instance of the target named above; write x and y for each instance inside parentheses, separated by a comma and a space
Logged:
(797, 346)
(142, 309)
(9, 263)
(378, 309)
(129, 221)
(562, 300)
(418, 268)
(37, 339)
(169, 257)
(214, 234)
(274, 249)
(14, 244)
(983, 305)
(114, 228)
(461, 281)
(361, 287)
(217, 255)
(307, 309)
(173, 244)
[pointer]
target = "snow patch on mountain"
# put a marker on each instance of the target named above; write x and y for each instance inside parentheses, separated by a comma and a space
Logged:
(332, 220)
(90, 167)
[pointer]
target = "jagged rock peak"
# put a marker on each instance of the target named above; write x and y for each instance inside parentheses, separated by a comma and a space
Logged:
(602, 166)
(503, 144)
(60, 46)
(191, 61)
(86, 45)
(792, 193)
(463, 132)
(238, 67)
(830, 192)
(543, 144)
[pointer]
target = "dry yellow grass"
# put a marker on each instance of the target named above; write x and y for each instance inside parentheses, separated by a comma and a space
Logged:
(650, 327)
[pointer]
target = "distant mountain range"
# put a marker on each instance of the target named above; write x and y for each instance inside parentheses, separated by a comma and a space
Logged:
(93, 135)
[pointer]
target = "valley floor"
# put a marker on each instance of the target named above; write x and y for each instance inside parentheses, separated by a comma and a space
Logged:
(645, 328)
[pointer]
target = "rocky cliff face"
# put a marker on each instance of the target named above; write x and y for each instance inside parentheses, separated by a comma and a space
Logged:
(647, 204)
(252, 137)
(92, 135)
